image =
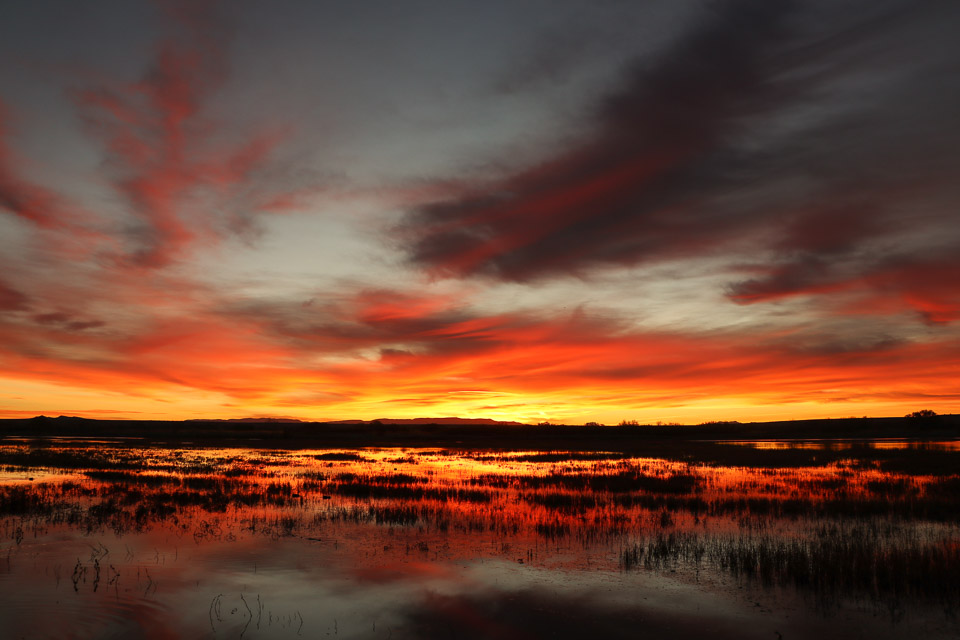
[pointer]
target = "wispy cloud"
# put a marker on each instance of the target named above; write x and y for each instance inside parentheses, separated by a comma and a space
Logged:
(11, 299)
(812, 135)
(28, 199)
(182, 185)
(360, 352)
(631, 190)
(892, 284)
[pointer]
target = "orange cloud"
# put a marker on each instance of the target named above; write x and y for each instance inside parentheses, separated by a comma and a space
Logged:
(375, 353)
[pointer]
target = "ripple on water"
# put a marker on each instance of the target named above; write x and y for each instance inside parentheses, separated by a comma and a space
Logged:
(78, 616)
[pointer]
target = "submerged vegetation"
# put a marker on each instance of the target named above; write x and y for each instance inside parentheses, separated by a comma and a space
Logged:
(868, 524)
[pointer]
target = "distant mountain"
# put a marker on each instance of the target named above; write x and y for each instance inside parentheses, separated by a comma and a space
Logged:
(264, 420)
(254, 420)
(430, 421)
(449, 420)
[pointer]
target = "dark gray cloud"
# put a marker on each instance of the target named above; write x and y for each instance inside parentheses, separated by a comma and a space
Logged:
(925, 282)
(67, 321)
(820, 131)
(607, 201)
(11, 299)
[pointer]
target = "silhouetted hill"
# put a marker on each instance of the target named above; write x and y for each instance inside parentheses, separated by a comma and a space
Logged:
(451, 420)
(250, 420)
(470, 433)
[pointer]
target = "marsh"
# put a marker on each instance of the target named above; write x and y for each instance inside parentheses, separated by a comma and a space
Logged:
(115, 540)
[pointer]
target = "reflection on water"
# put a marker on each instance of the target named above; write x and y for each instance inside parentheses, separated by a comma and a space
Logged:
(391, 543)
(841, 444)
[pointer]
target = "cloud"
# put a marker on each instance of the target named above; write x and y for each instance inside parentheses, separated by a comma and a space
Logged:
(813, 134)
(23, 197)
(374, 351)
(889, 284)
(67, 321)
(381, 344)
(623, 195)
(11, 299)
(808, 148)
(162, 145)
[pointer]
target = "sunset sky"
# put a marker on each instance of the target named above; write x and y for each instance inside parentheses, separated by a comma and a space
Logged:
(542, 210)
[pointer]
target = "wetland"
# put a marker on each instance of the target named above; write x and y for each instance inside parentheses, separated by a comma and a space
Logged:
(785, 540)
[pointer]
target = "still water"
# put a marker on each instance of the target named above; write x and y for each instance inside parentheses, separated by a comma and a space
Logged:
(844, 444)
(117, 541)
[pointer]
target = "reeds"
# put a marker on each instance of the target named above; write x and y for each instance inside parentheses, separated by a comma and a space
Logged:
(844, 528)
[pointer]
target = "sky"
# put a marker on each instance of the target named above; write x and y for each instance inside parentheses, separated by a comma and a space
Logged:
(561, 211)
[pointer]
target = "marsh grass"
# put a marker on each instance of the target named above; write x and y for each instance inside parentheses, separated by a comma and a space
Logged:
(844, 528)
(340, 456)
(836, 561)
(550, 456)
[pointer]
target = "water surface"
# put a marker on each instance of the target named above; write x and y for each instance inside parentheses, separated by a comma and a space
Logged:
(113, 540)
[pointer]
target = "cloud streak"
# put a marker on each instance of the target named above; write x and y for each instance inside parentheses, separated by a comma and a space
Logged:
(180, 185)
(382, 351)
(624, 194)
(25, 198)
(767, 128)
(926, 285)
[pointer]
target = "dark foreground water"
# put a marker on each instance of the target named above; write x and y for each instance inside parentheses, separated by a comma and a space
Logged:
(111, 541)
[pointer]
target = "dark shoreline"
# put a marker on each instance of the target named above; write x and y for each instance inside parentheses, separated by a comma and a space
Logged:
(630, 438)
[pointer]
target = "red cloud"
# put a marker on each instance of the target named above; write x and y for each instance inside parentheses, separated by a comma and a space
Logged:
(926, 285)
(10, 298)
(159, 144)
